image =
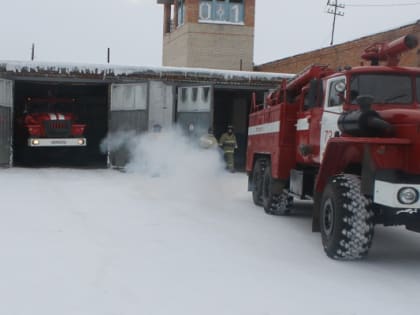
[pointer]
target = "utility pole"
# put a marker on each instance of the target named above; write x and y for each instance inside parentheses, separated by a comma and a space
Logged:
(333, 8)
(33, 52)
(108, 55)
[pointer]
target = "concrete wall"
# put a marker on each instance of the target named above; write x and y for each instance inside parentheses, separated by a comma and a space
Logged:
(345, 54)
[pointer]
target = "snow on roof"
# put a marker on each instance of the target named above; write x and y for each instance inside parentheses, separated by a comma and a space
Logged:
(107, 70)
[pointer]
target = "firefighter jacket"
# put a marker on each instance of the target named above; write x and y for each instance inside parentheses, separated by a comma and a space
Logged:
(228, 142)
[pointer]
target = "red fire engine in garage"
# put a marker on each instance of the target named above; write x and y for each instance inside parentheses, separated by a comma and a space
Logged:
(350, 141)
(49, 124)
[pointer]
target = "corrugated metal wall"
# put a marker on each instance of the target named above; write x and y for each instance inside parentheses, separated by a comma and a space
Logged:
(161, 104)
(128, 115)
(195, 109)
(6, 104)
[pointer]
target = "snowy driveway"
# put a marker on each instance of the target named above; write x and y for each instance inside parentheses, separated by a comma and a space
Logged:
(101, 242)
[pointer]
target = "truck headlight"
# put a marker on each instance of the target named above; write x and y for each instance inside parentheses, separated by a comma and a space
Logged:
(81, 142)
(35, 141)
(408, 195)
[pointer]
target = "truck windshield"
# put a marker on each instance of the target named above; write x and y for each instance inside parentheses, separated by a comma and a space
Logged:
(384, 88)
(37, 108)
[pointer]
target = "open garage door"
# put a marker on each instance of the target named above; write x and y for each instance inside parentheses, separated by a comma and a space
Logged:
(232, 107)
(128, 117)
(86, 103)
(6, 105)
(195, 109)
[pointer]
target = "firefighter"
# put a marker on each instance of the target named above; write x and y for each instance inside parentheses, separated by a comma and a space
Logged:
(228, 143)
(208, 141)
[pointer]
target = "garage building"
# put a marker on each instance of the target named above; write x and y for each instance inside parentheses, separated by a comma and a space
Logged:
(114, 98)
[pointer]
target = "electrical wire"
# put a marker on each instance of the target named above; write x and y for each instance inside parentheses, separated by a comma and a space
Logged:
(384, 5)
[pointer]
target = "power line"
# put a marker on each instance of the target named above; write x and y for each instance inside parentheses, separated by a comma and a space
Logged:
(384, 4)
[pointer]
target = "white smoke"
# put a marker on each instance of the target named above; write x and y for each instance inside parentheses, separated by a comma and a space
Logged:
(172, 159)
(117, 141)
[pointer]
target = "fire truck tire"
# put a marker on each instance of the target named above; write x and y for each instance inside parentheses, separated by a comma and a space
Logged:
(346, 219)
(275, 202)
(257, 179)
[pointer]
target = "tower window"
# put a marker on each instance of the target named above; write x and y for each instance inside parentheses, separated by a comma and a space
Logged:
(227, 11)
(181, 12)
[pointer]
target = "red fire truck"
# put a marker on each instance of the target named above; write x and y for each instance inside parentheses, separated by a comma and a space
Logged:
(49, 124)
(350, 141)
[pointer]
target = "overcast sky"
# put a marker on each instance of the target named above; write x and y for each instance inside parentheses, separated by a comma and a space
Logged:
(81, 30)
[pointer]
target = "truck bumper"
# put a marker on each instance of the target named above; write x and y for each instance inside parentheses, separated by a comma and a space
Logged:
(389, 194)
(57, 142)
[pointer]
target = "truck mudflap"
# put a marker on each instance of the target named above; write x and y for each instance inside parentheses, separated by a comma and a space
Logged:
(57, 142)
(413, 226)
(394, 217)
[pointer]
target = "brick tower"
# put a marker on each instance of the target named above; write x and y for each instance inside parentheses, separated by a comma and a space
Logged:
(217, 34)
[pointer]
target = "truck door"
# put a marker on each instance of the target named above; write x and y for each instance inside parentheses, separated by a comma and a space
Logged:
(6, 106)
(195, 109)
(333, 107)
(128, 117)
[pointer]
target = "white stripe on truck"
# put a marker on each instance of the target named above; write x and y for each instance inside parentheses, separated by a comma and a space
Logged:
(272, 127)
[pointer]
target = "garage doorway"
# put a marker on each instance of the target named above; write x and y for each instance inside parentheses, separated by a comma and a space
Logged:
(232, 107)
(89, 104)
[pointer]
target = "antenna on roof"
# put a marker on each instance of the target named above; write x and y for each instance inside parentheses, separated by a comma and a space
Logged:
(109, 55)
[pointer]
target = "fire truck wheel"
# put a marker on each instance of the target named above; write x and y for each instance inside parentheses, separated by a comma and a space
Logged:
(274, 200)
(346, 219)
(257, 178)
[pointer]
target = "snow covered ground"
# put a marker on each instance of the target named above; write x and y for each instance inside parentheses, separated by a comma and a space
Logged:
(102, 242)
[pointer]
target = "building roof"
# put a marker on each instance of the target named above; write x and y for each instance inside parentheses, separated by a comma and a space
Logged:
(118, 73)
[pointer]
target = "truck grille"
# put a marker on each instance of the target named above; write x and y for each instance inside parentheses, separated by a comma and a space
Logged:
(57, 128)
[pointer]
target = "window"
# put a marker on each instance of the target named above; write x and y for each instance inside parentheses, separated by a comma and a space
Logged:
(181, 12)
(184, 94)
(226, 11)
(194, 94)
(206, 93)
(336, 94)
(384, 88)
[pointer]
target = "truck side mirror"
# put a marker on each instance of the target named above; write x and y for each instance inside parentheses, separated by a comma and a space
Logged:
(340, 87)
